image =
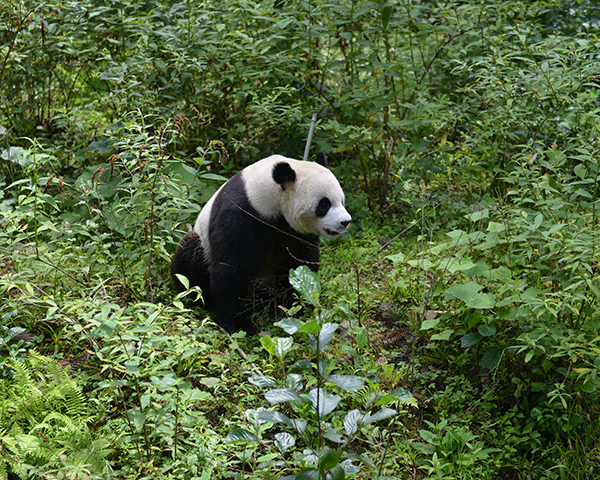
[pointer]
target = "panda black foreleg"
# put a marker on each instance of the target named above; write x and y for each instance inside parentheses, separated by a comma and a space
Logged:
(230, 289)
(298, 251)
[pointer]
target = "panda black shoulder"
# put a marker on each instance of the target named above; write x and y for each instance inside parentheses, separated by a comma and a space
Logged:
(232, 196)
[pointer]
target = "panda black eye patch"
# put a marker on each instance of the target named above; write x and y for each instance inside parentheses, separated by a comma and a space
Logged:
(323, 207)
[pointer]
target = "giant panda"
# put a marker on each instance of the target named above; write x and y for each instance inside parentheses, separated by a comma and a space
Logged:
(262, 222)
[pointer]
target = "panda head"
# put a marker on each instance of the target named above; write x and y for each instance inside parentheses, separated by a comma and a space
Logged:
(311, 201)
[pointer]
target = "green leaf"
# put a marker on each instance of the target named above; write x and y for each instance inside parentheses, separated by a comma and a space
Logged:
(324, 403)
(351, 421)
(587, 386)
(401, 394)
(350, 383)
(491, 358)
(444, 336)
(480, 214)
(268, 344)
(495, 227)
(284, 441)
(102, 146)
(502, 274)
(184, 281)
(309, 474)
(481, 301)
(289, 325)
(313, 327)
(593, 287)
(299, 425)
(241, 434)
(429, 324)
(386, 13)
(281, 395)
(132, 366)
(362, 458)
(479, 269)
(488, 329)
(262, 381)
(273, 417)
(462, 291)
(470, 339)
(380, 415)
(337, 473)
(326, 335)
(428, 436)
(396, 258)
(306, 284)
(334, 435)
(328, 459)
(277, 346)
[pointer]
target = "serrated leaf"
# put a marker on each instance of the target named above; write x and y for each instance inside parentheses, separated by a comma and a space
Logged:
(280, 395)
(482, 301)
(350, 383)
(284, 441)
(487, 329)
(491, 358)
(502, 274)
(470, 339)
(241, 434)
(324, 403)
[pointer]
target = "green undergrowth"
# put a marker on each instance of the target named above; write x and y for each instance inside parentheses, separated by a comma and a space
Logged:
(452, 334)
(464, 352)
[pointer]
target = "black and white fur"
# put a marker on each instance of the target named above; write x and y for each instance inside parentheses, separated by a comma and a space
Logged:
(261, 223)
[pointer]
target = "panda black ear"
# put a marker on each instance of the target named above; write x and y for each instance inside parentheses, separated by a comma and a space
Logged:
(322, 159)
(283, 173)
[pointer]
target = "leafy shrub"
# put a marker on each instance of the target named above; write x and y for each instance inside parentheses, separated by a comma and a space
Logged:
(316, 416)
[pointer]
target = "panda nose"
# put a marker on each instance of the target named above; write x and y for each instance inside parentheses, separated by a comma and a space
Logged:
(345, 223)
